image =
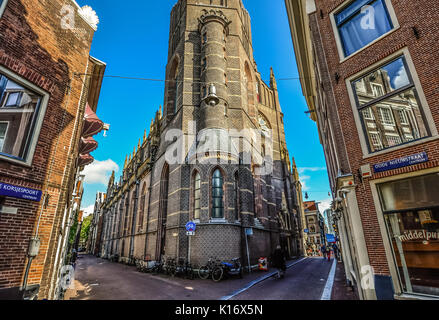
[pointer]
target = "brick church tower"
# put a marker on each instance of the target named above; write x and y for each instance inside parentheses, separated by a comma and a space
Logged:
(215, 155)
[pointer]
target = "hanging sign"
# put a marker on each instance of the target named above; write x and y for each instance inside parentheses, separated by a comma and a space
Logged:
(9, 190)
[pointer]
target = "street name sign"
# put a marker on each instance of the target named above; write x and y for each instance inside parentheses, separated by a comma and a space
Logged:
(401, 162)
(20, 192)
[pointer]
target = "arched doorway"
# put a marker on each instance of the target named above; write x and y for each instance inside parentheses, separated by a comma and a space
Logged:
(163, 213)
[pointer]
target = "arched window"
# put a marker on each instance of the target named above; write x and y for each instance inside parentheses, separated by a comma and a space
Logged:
(217, 195)
(197, 195)
(173, 88)
(236, 195)
(142, 207)
(163, 213)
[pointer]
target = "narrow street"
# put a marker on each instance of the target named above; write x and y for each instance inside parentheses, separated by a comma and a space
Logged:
(99, 279)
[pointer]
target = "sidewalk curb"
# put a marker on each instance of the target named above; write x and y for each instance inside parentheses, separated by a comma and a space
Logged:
(255, 282)
(326, 294)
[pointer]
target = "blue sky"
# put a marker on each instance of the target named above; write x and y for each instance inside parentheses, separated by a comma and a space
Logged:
(132, 39)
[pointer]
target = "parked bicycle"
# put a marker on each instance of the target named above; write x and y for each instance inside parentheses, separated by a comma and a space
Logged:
(213, 269)
(184, 268)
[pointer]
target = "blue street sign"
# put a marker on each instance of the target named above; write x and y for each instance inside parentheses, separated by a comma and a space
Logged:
(249, 231)
(191, 226)
(20, 192)
(330, 238)
(401, 162)
(306, 231)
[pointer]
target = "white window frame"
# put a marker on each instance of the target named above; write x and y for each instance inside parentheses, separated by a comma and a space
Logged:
(374, 89)
(27, 161)
(424, 106)
(6, 133)
(406, 118)
(381, 109)
(338, 41)
(2, 7)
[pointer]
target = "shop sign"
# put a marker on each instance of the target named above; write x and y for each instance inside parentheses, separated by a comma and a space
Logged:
(418, 235)
(330, 238)
(20, 192)
(401, 162)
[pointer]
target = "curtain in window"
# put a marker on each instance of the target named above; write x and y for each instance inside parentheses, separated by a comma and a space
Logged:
(354, 37)
(217, 195)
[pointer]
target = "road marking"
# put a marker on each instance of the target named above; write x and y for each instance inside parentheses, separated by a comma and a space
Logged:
(326, 295)
(254, 282)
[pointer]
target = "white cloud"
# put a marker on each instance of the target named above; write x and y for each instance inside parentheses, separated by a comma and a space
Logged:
(88, 210)
(99, 171)
(312, 169)
(303, 182)
(402, 78)
(324, 204)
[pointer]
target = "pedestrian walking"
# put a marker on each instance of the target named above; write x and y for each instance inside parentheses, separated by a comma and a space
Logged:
(278, 260)
(328, 253)
(336, 251)
(323, 250)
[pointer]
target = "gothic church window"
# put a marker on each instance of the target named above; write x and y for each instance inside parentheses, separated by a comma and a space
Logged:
(197, 195)
(217, 195)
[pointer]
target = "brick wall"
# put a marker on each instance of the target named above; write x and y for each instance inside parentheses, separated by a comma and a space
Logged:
(421, 14)
(34, 46)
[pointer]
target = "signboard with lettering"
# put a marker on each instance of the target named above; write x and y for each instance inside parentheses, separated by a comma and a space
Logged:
(20, 192)
(330, 238)
(401, 162)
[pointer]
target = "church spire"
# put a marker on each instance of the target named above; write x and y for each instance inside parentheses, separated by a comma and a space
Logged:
(273, 83)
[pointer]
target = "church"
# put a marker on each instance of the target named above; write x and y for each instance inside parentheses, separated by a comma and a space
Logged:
(215, 154)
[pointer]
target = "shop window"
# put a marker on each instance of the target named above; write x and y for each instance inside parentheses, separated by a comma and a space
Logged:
(362, 22)
(411, 210)
(396, 104)
(217, 195)
(21, 111)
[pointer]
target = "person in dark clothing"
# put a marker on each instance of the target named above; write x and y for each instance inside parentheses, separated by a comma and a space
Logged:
(278, 260)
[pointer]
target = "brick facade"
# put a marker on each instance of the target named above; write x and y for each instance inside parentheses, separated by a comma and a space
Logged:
(415, 36)
(34, 47)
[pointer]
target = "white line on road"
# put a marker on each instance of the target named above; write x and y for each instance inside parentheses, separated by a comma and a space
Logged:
(254, 282)
(326, 295)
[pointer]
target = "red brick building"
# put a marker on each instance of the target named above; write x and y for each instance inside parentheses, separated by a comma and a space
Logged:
(369, 73)
(44, 49)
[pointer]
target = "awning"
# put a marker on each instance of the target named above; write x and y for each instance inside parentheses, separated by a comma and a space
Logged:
(92, 124)
(85, 159)
(87, 145)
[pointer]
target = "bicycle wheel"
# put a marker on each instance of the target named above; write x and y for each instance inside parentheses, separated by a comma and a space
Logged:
(203, 272)
(217, 274)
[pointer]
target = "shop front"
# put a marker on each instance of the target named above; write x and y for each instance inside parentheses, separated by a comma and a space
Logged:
(411, 214)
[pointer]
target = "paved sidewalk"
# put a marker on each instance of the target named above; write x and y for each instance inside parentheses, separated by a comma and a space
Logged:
(340, 291)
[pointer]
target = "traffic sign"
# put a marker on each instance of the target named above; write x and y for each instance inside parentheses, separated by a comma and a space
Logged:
(190, 233)
(191, 226)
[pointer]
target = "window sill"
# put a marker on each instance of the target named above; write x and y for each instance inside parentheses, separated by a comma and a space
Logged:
(403, 146)
(16, 161)
(217, 220)
(414, 296)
